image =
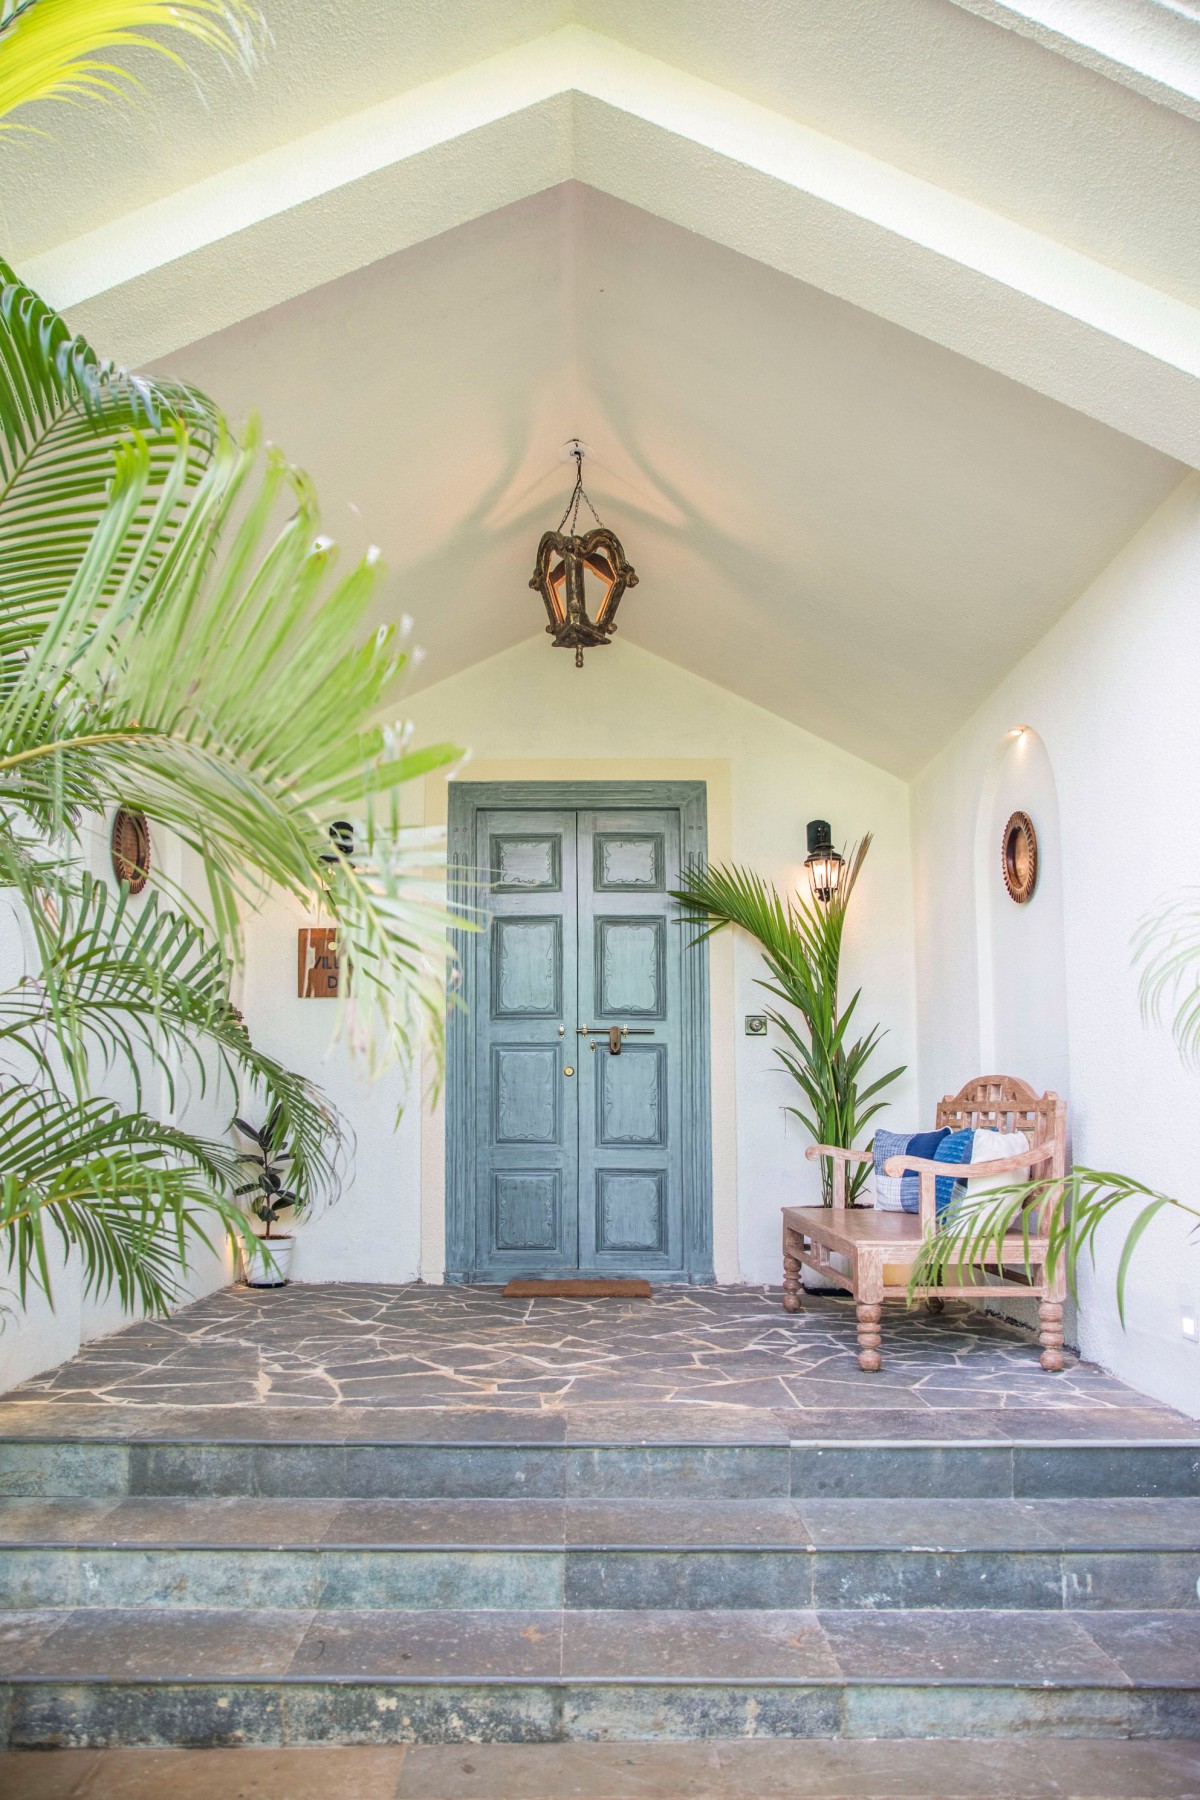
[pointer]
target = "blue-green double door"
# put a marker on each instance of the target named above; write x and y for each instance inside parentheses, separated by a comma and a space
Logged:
(578, 1160)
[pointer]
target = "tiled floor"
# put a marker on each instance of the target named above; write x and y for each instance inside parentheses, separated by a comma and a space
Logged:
(745, 1770)
(344, 1359)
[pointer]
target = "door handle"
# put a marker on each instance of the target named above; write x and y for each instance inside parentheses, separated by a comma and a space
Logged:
(616, 1034)
(568, 1070)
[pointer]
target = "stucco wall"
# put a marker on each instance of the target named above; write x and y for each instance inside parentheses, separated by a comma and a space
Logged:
(1111, 693)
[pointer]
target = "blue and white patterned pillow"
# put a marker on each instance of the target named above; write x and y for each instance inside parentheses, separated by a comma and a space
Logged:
(957, 1147)
(902, 1193)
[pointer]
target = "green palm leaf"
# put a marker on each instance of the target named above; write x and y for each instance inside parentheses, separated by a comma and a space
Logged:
(802, 948)
(60, 49)
(998, 1228)
(135, 1197)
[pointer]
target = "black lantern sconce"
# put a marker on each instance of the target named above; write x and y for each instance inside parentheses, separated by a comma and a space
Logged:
(569, 567)
(823, 862)
(341, 838)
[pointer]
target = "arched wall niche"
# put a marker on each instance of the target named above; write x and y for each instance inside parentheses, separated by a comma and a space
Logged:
(1022, 974)
(1022, 967)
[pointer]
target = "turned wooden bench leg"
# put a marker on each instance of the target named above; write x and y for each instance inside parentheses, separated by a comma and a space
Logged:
(792, 1302)
(1050, 1334)
(868, 1304)
(869, 1336)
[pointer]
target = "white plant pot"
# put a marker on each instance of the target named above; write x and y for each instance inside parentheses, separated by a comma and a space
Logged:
(275, 1272)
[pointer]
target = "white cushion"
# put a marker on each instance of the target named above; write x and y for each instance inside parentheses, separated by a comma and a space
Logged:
(992, 1146)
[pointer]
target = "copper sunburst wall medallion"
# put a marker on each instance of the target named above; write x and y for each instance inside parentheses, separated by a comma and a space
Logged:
(130, 845)
(1019, 858)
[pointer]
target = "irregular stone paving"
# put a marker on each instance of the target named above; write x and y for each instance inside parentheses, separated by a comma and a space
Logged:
(731, 1351)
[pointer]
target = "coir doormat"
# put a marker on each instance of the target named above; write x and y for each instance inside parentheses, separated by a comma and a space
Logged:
(578, 1290)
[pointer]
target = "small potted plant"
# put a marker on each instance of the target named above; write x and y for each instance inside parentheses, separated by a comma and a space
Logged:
(272, 1198)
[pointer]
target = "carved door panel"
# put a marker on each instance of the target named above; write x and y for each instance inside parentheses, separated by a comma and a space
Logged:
(630, 947)
(526, 1124)
(580, 1170)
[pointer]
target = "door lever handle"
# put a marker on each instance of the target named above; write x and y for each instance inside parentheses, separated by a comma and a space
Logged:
(616, 1034)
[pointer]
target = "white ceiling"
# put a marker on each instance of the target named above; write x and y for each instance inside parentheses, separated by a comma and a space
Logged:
(925, 85)
(881, 317)
(831, 516)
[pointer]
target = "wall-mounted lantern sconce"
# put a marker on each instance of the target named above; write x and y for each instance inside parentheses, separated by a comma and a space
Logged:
(341, 838)
(823, 862)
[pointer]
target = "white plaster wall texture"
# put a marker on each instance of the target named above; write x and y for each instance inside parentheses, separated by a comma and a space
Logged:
(372, 1231)
(1022, 959)
(1111, 693)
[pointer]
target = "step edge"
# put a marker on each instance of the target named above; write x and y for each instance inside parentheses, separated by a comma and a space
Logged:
(892, 1682)
(790, 1546)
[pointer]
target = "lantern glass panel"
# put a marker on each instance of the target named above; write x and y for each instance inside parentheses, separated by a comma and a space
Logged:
(558, 590)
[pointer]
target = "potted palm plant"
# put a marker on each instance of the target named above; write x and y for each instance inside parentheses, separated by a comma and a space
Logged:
(269, 1163)
(802, 948)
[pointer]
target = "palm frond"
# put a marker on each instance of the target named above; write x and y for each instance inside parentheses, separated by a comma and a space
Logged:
(134, 1196)
(802, 948)
(998, 1228)
(1167, 945)
(62, 49)
(141, 988)
(222, 688)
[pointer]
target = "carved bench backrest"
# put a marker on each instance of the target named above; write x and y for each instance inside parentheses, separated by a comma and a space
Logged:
(1002, 1103)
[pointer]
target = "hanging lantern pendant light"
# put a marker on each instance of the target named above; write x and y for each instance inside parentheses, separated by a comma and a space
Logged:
(568, 564)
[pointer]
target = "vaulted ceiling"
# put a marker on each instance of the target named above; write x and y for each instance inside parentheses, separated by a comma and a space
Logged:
(881, 320)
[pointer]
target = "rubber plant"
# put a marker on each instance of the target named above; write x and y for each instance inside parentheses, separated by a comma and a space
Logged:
(801, 945)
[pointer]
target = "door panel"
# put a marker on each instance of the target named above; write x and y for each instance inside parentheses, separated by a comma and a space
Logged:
(630, 973)
(580, 1171)
(526, 1119)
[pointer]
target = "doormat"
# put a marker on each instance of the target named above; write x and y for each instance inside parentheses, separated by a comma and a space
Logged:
(578, 1290)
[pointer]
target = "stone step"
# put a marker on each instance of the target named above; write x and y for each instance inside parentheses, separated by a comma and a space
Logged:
(738, 1769)
(510, 1468)
(1057, 1555)
(240, 1676)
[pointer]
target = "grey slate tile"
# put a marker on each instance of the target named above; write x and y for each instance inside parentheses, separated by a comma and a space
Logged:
(930, 1523)
(633, 1580)
(715, 1645)
(1150, 1646)
(572, 1771)
(264, 1774)
(114, 1645)
(931, 1646)
(22, 1635)
(399, 1646)
(447, 1521)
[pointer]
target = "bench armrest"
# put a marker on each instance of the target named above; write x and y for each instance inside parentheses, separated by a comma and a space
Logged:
(1003, 1165)
(841, 1160)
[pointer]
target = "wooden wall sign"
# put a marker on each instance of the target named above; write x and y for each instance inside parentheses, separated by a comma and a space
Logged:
(317, 963)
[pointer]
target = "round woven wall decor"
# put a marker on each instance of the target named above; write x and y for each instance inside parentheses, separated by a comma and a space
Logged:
(130, 845)
(1019, 858)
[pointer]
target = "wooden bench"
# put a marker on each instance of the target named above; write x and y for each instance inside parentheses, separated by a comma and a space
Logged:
(877, 1249)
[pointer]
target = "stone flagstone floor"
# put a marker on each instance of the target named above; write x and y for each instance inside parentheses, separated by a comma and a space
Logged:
(367, 1357)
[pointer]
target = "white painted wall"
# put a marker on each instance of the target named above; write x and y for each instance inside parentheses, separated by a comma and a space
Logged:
(1111, 694)
(372, 1232)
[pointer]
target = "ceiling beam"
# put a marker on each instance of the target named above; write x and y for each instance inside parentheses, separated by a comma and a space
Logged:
(574, 105)
(1151, 46)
